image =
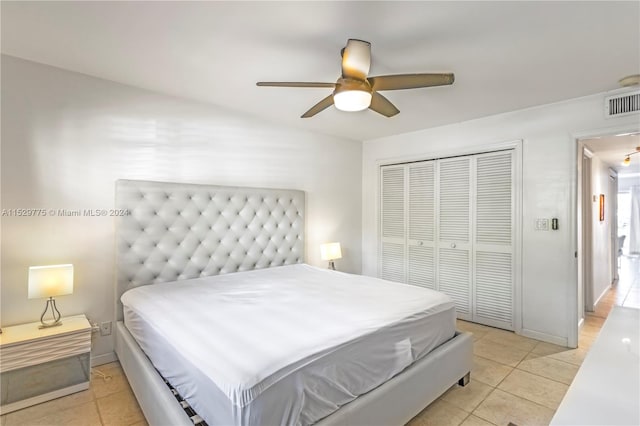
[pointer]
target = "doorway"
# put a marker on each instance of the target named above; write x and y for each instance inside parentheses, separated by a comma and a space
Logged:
(600, 171)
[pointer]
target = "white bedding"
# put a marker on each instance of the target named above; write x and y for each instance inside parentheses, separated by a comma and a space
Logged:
(285, 345)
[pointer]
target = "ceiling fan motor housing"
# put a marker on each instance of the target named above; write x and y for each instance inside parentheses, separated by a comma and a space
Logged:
(346, 84)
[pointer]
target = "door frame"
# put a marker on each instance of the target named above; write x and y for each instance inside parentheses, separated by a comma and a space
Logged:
(585, 268)
(575, 299)
(517, 147)
(613, 208)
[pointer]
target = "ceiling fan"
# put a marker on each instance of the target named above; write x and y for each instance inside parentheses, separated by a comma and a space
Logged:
(355, 91)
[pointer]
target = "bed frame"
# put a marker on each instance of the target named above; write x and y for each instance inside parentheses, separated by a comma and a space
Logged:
(172, 231)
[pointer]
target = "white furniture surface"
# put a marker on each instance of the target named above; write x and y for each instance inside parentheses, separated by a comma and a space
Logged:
(183, 231)
(606, 390)
(395, 402)
(37, 365)
(180, 231)
(319, 336)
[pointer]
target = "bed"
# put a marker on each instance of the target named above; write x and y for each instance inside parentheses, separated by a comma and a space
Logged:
(213, 294)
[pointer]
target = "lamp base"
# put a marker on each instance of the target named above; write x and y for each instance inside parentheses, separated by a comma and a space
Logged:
(54, 312)
(332, 265)
(49, 324)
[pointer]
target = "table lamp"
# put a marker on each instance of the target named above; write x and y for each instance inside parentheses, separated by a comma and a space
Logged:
(50, 281)
(330, 252)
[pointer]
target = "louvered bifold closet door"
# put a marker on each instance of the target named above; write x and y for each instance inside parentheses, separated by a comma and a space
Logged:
(454, 232)
(392, 224)
(421, 224)
(494, 237)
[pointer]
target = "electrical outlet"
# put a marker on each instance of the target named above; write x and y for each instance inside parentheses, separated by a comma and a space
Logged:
(542, 224)
(105, 328)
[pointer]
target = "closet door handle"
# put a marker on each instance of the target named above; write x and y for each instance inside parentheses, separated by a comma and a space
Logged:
(453, 245)
(420, 243)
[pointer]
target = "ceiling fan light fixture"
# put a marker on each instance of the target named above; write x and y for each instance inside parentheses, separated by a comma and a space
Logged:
(352, 95)
(627, 158)
(352, 100)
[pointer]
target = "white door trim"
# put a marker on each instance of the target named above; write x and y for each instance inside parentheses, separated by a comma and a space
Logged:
(613, 209)
(586, 259)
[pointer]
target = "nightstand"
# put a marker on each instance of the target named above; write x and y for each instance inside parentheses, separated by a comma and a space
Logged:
(37, 365)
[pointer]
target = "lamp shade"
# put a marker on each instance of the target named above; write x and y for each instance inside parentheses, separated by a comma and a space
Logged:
(330, 251)
(50, 281)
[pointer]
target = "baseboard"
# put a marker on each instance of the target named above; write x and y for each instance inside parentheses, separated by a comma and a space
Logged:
(606, 289)
(103, 359)
(549, 338)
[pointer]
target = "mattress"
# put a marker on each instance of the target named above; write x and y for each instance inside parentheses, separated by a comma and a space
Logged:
(286, 345)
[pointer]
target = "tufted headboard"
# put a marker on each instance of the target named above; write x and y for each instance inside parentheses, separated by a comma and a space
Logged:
(173, 231)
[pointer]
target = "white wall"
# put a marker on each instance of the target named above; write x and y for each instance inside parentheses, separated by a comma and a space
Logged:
(549, 178)
(67, 137)
(601, 232)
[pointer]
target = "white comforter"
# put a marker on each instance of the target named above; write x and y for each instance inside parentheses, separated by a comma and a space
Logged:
(247, 332)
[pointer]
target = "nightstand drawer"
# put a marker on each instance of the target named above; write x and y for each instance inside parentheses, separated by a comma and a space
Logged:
(44, 350)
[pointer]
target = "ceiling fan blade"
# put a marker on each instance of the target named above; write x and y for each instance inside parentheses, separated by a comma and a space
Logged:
(320, 106)
(356, 59)
(294, 84)
(410, 81)
(382, 105)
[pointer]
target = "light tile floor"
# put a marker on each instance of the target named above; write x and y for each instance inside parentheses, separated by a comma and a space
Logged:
(514, 379)
(520, 380)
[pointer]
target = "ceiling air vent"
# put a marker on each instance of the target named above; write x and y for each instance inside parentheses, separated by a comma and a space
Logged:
(620, 105)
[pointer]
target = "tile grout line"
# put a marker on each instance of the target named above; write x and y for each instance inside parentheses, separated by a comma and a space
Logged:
(545, 377)
(98, 410)
(516, 367)
(504, 378)
(493, 388)
(465, 419)
(480, 416)
(528, 400)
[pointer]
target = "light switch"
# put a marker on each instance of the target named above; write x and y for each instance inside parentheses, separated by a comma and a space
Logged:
(542, 224)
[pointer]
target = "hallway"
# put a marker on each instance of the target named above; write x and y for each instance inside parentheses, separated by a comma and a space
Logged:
(626, 292)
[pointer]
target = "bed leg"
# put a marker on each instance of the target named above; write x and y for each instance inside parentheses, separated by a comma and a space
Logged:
(465, 380)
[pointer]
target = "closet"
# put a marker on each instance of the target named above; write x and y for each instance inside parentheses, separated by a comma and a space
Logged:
(448, 225)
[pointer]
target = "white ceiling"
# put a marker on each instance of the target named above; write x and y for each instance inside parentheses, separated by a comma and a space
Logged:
(612, 150)
(505, 55)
